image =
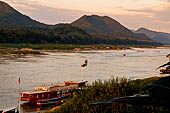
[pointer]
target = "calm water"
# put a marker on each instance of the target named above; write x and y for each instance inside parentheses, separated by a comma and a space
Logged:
(59, 67)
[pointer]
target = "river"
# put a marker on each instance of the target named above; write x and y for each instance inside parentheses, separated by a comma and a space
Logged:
(57, 67)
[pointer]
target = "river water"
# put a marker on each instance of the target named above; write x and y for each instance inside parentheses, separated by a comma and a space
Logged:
(57, 67)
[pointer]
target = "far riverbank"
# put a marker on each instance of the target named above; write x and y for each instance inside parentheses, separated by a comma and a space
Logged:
(38, 49)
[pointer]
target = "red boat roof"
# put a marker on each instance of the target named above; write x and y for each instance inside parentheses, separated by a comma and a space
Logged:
(52, 89)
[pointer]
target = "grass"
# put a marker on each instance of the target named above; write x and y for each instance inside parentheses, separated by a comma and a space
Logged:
(100, 90)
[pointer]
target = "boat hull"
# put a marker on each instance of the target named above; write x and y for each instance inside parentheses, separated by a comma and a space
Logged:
(54, 101)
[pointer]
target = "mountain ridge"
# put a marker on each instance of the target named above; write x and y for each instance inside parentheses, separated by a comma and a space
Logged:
(10, 16)
(100, 23)
(154, 35)
(104, 26)
(5, 8)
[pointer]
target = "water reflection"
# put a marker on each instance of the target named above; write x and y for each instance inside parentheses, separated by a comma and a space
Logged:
(27, 108)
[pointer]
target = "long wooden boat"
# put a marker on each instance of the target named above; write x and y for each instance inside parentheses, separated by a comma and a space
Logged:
(82, 83)
(50, 94)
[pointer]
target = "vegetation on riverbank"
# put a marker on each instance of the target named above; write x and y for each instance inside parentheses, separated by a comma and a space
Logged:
(60, 46)
(19, 52)
(99, 91)
(67, 46)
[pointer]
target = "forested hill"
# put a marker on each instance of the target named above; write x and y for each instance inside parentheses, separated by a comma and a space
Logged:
(10, 16)
(64, 34)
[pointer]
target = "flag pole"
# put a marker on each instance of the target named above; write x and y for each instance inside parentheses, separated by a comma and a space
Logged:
(19, 82)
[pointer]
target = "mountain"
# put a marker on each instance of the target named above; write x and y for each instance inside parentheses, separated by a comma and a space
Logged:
(10, 16)
(157, 36)
(103, 26)
(86, 30)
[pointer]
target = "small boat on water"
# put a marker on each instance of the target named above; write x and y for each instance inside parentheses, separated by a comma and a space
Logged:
(85, 63)
(53, 94)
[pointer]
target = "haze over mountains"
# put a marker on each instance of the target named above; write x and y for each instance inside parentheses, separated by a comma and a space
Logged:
(101, 29)
(158, 36)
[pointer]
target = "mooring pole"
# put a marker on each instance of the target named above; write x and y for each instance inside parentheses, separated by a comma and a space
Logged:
(18, 108)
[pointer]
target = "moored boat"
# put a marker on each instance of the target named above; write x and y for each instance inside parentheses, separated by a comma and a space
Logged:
(33, 97)
(50, 94)
(82, 83)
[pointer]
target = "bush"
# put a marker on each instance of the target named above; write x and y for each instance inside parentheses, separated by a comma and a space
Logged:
(100, 91)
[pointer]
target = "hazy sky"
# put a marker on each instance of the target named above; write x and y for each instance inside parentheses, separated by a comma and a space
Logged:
(151, 14)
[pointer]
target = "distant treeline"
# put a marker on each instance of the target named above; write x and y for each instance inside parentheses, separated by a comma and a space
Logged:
(60, 34)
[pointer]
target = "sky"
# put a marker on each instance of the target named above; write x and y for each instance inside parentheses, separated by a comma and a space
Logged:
(133, 14)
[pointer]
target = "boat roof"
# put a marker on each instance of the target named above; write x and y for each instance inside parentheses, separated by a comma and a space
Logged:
(53, 89)
(33, 92)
